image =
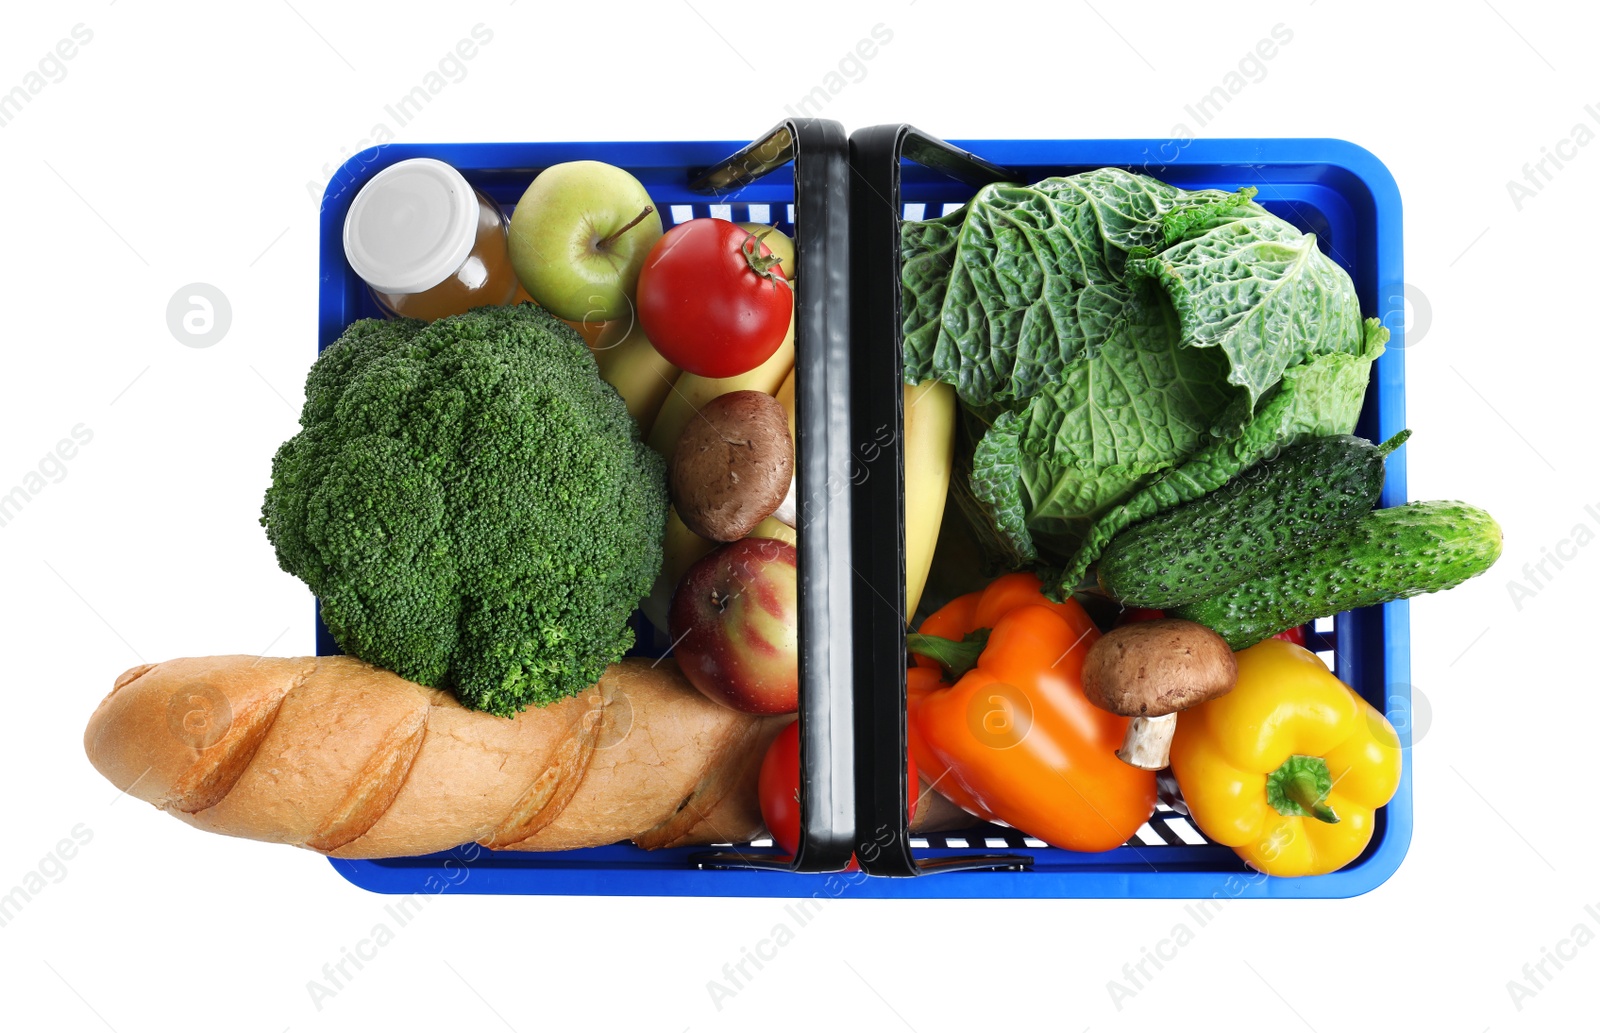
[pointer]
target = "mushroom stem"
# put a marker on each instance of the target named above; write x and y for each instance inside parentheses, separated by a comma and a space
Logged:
(785, 513)
(1148, 742)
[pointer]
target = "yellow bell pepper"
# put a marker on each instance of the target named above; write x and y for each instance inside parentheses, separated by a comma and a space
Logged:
(1289, 767)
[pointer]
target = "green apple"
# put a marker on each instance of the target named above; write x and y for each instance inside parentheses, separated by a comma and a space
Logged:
(578, 237)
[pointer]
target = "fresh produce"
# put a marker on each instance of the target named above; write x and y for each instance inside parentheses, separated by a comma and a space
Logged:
(778, 789)
(734, 624)
(690, 393)
(999, 722)
(1107, 327)
(713, 300)
(1289, 767)
(772, 527)
(335, 756)
(1315, 399)
(1388, 554)
(733, 467)
(1307, 494)
(1149, 671)
(471, 504)
(1167, 377)
(930, 439)
(785, 397)
(1165, 382)
(631, 364)
(579, 236)
(680, 549)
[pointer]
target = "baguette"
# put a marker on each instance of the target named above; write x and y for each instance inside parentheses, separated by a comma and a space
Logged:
(334, 755)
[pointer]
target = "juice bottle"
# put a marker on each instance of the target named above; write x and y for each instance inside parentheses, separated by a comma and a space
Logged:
(427, 243)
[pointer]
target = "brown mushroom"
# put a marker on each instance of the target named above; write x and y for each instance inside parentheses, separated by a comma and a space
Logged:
(733, 466)
(1150, 670)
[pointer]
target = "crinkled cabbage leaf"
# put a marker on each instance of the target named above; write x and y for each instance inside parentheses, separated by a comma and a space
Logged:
(1111, 328)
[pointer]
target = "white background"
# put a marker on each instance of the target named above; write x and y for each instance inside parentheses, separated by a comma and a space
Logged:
(178, 148)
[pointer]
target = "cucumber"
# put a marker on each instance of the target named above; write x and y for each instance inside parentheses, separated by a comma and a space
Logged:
(1388, 554)
(1307, 494)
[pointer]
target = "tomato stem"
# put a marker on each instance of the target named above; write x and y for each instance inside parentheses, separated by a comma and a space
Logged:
(607, 241)
(765, 265)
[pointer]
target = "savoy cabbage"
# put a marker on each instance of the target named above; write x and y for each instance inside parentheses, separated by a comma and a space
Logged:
(1126, 342)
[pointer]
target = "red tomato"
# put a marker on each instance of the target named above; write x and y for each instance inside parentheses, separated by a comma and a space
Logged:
(713, 299)
(778, 789)
(1135, 614)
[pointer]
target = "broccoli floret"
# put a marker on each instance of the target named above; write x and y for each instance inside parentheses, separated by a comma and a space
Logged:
(472, 505)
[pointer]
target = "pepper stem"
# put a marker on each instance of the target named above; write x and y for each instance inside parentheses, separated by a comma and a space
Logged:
(1300, 787)
(957, 658)
(1303, 791)
(610, 239)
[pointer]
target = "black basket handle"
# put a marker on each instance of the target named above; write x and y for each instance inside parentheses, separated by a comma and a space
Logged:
(820, 152)
(876, 154)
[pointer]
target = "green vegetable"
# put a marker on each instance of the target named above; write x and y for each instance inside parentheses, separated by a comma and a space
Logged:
(998, 295)
(471, 504)
(1108, 327)
(1282, 505)
(1388, 554)
(1140, 404)
(1314, 399)
(1261, 292)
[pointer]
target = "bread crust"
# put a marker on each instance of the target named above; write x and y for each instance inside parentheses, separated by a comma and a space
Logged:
(334, 755)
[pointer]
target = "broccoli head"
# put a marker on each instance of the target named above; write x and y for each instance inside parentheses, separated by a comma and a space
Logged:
(472, 505)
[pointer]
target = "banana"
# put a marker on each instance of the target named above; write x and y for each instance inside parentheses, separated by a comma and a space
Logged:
(930, 439)
(691, 392)
(786, 399)
(631, 364)
(772, 527)
(680, 548)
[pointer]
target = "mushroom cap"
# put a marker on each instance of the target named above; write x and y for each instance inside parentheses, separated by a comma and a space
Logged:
(1159, 667)
(732, 466)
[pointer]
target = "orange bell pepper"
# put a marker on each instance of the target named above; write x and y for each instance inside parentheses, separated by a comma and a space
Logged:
(1013, 739)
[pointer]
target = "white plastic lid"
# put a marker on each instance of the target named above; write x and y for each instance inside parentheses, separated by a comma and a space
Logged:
(412, 226)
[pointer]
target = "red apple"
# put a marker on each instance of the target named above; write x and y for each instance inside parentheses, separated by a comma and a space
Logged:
(735, 625)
